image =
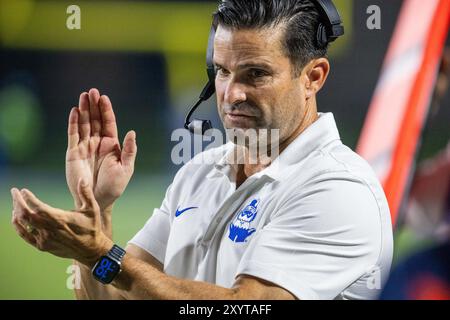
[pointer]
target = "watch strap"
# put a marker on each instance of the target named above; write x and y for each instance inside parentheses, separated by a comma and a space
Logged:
(116, 253)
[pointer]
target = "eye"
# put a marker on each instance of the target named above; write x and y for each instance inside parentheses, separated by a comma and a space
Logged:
(221, 71)
(258, 73)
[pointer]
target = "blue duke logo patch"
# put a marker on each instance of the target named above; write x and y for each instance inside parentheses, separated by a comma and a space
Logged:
(240, 228)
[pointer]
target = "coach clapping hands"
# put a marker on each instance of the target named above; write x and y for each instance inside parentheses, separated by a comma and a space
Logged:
(97, 171)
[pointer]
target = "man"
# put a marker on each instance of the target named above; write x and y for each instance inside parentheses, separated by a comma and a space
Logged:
(313, 223)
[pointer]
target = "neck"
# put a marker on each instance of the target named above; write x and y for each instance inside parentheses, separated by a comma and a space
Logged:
(251, 167)
(308, 119)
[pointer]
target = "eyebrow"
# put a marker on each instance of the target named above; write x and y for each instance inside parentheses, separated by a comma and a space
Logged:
(248, 66)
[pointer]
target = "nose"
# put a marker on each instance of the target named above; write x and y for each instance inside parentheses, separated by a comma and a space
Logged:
(234, 93)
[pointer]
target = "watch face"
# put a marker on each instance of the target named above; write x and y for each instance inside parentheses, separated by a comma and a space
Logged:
(106, 269)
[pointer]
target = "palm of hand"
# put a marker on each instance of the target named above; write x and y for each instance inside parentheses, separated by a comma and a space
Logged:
(97, 157)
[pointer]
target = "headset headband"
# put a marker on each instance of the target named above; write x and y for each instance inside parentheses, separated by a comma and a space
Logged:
(333, 22)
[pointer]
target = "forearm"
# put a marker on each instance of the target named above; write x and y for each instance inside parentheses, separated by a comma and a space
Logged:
(139, 280)
(142, 280)
(91, 289)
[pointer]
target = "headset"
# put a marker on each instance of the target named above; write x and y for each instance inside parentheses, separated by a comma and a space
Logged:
(330, 28)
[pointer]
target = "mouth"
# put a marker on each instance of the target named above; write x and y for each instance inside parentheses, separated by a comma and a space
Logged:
(239, 120)
(239, 114)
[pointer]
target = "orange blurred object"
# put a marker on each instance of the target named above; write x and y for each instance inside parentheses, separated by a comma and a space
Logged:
(400, 106)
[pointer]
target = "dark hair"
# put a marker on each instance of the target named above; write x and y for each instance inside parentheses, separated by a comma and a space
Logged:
(299, 17)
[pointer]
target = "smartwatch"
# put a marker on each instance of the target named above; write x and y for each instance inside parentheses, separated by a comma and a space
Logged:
(108, 267)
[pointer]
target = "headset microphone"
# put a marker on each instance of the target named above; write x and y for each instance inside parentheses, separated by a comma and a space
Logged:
(330, 28)
(199, 126)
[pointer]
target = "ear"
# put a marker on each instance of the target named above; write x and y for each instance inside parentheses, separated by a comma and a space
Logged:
(316, 73)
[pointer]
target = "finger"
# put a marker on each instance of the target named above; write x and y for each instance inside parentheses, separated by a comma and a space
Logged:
(20, 207)
(37, 222)
(82, 197)
(23, 213)
(109, 126)
(86, 195)
(34, 203)
(24, 234)
(41, 215)
(13, 197)
(84, 123)
(129, 150)
(94, 111)
(73, 136)
(15, 204)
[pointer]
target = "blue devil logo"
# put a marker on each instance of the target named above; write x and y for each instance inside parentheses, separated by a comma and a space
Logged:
(240, 227)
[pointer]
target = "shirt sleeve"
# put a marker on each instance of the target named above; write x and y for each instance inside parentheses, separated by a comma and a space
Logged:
(155, 233)
(320, 241)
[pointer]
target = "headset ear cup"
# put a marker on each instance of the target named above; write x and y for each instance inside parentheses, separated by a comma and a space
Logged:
(322, 39)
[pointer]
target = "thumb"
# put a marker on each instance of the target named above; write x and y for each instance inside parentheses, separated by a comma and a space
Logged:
(129, 149)
(86, 195)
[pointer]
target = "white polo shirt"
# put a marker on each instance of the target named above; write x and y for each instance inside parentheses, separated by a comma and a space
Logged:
(315, 222)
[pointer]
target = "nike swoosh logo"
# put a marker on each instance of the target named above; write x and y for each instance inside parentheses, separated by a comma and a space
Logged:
(179, 212)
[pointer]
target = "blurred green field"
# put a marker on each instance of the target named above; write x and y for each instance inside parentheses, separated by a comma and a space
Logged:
(26, 273)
